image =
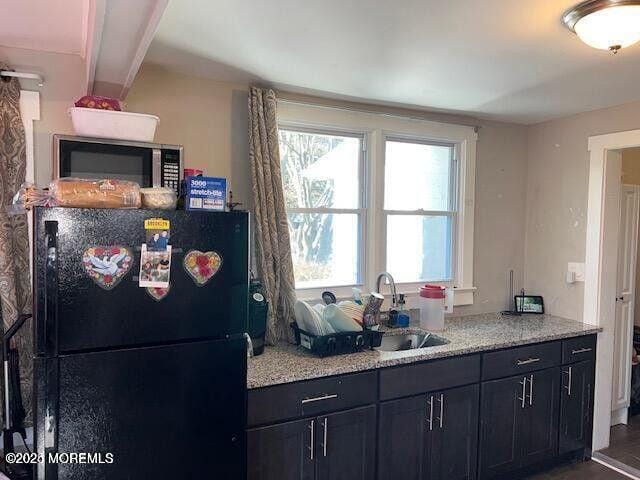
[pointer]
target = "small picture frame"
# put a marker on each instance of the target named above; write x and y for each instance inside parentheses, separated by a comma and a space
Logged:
(529, 304)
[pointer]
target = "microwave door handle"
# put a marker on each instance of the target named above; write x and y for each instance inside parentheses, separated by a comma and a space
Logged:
(156, 167)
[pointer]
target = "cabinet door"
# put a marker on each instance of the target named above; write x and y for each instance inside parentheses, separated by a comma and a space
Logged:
(403, 443)
(501, 405)
(346, 445)
(282, 452)
(539, 427)
(455, 434)
(576, 417)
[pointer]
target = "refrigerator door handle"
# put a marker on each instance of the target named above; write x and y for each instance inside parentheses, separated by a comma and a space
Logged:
(51, 288)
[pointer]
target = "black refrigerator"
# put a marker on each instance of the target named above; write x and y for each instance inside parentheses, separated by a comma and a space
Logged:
(140, 383)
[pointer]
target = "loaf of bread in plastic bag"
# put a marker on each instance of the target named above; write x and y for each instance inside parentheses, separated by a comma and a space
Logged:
(106, 193)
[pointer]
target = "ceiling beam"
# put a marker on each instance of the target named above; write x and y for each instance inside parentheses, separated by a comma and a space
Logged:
(118, 43)
(143, 45)
(93, 37)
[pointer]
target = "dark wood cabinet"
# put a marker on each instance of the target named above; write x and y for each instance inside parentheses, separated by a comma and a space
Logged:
(404, 446)
(282, 452)
(346, 445)
(454, 444)
(500, 414)
(432, 436)
(338, 446)
(539, 425)
(519, 422)
(576, 406)
(501, 403)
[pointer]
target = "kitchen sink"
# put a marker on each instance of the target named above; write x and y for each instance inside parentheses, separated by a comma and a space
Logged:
(409, 341)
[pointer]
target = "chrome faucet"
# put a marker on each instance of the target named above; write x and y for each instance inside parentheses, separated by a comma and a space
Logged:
(392, 284)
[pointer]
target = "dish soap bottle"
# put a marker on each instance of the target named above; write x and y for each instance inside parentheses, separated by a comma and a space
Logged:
(403, 314)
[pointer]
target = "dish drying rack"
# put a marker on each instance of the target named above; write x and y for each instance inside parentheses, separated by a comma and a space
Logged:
(336, 343)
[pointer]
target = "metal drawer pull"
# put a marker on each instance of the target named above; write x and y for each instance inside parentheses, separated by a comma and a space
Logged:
(441, 409)
(582, 350)
(324, 440)
(430, 420)
(527, 361)
(531, 390)
(312, 427)
(524, 391)
(319, 399)
(568, 386)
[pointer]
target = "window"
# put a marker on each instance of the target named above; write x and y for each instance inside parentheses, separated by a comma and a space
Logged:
(367, 193)
(419, 208)
(322, 188)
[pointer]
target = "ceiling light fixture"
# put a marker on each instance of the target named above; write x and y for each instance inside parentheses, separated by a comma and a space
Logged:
(605, 24)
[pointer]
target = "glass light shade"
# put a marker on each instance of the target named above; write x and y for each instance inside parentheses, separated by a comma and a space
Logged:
(610, 28)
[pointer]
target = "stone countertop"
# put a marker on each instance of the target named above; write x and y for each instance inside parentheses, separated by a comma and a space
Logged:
(287, 363)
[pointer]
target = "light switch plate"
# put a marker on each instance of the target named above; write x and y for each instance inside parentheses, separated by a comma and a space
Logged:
(578, 269)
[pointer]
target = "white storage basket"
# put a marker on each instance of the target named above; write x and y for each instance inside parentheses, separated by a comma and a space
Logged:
(91, 122)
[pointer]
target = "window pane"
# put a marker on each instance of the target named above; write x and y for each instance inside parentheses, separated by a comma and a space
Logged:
(419, 248)
(320, 170)
(417, 176)
(324, 249)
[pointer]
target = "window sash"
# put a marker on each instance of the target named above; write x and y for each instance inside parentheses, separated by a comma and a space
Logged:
(361, 211)
(337, 132)
(452, 246)
(454, 181)
(452, 212)
(360, 251)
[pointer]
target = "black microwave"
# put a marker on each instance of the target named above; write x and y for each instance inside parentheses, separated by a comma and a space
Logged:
(148, 164)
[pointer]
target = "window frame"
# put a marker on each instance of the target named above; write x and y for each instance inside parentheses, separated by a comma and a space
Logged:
(341, 290)
(375, 127)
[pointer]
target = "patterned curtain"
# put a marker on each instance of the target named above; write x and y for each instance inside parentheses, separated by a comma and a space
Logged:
(273, 250)
(15, 277)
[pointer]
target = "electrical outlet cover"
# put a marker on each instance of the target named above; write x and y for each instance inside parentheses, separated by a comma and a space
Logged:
(578, 269)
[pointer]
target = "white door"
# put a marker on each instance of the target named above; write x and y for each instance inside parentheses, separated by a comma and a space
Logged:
(625, 302)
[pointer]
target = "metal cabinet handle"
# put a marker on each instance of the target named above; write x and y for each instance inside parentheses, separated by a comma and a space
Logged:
(582, 350)
(325, 426)
(319, 399)
(527, 361)
(524, 391)
(567, 387)
(531, 390)
(312, 425)
(441, 409)
(430, 420)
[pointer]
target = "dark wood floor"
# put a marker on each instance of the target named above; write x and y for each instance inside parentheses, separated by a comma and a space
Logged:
(581, 471)
(625, 443)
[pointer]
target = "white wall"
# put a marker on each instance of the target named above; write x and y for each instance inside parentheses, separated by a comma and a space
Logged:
(557, 178)
(210, 119)
(500, 215)
(64, 83)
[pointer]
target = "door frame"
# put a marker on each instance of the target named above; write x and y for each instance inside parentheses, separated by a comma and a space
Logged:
(601, 265)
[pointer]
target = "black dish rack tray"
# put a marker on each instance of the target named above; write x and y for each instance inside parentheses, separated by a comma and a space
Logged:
(336, 343)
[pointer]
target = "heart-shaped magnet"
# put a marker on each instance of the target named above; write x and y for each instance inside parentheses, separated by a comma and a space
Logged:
(157, 293)
(202, 266)
(107, 265)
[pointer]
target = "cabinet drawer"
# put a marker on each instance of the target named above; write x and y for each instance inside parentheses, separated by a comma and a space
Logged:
(578, 349)
(409, 380)
(313, 397)
(514, 361)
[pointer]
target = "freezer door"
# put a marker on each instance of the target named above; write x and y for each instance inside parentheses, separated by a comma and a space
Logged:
(73, 313)
(160, 412)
